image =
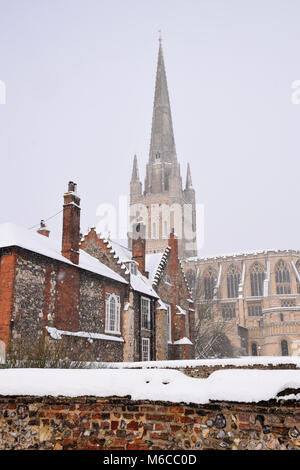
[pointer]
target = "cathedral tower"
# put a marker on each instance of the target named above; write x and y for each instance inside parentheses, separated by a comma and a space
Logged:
(163, 206)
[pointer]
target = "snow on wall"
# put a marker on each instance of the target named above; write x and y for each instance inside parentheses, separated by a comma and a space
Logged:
(244, 361)
(164, 385)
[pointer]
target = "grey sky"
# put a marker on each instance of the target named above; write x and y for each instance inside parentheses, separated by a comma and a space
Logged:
(80, 84)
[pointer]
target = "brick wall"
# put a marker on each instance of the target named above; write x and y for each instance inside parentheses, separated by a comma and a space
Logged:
(7, 281)
(115, 423)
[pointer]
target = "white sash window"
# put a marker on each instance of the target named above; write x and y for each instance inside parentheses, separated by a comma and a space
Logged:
(145, 349)
(112, 313)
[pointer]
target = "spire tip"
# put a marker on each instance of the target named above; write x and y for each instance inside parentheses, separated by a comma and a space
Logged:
(159, 37)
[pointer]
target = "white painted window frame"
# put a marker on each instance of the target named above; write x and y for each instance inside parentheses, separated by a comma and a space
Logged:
(108, 298)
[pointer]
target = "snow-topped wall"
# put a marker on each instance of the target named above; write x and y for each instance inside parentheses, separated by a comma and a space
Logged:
(149, 409)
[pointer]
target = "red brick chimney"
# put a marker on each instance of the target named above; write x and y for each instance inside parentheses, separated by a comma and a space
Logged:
(173, 244)
(71, 224)
(43, 229)
(139, 247)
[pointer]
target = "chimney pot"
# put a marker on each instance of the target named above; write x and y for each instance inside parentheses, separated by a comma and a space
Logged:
(43, 229)
(72, 187)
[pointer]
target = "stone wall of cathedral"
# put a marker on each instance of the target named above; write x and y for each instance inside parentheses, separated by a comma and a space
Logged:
(258, 291)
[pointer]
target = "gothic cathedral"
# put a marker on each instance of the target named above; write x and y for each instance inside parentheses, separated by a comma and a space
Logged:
(163, 206)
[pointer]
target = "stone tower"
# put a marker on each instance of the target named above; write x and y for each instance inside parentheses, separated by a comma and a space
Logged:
(163, 206)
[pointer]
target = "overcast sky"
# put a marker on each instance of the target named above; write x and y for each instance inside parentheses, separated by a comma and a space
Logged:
(79, 78)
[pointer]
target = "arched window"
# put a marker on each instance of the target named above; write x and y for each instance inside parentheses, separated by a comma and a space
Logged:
(282, 277)
(254, 349)
(191, 279)
(154, 235)
(112, 313)
(210, 279)
(284, 348)
(166, 229)
(228, 311)
(233, 280)
(257, 276)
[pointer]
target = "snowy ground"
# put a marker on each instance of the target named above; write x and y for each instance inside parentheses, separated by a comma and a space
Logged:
(164, 385)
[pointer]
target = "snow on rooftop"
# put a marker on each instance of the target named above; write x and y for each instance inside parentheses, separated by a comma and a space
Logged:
(142, 284)
(240, 254)
(123, 253)
(184, 340)
(153, 261)
(138, 282)
(162, 385)
(14, 235)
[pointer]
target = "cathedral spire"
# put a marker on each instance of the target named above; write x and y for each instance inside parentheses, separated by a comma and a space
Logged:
(135, 183)
(189, 183)
(162, 144)
(135, 171)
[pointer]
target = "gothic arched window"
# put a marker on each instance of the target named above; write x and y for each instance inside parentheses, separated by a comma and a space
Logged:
(282, 278)
(191, 279)
(210, 278)
(166, 229)
(154, 234)
(284, 348)
(257, 276)
(233, 280)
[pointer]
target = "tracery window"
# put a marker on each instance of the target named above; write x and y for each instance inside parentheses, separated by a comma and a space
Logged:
(210, 279)
(228, 311)
(254, 310)
(191, 279)
(233, 280)
(112, 313)
(282, 278)
(257, 276)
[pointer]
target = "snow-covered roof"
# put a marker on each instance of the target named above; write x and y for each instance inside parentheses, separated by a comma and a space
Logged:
(142, 284)
(153, 261)
(184, 340)
(159, 385)
(242, 254)
(121, 252)
(14, 235)
(138, 282)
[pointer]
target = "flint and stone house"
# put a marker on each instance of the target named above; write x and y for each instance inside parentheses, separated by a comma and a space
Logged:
(90, 294)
